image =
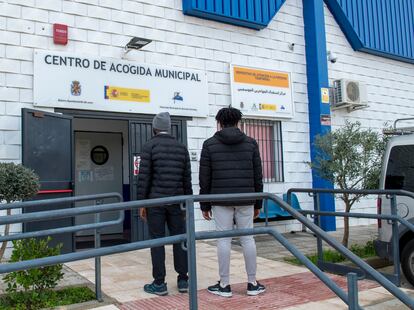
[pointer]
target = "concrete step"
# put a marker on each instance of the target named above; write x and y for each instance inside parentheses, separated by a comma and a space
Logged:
(391, 304)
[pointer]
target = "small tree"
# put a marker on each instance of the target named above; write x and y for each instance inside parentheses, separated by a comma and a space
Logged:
(16, 183)
(350, 157)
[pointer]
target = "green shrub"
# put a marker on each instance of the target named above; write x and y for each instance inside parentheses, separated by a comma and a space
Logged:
(364, 251)
(32, 287)
(16, 183)
(328, 256)
(66, 296)
(332, 256)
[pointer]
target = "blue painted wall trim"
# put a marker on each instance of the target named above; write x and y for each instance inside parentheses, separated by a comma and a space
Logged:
(317, 74)
(380, 27)
(255, 14)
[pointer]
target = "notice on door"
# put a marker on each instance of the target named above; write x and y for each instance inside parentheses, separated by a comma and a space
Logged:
(85, 176)
(83, 149)
(137, 163)
(104, 173)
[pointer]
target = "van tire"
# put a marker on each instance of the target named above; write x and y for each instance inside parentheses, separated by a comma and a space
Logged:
(407, 256)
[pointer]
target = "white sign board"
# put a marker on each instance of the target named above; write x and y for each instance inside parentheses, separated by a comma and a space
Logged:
(70, 81)
(261, 93)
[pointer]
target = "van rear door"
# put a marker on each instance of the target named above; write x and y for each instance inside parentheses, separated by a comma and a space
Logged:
(399, 175)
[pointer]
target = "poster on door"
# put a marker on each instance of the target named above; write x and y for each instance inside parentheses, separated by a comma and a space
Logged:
(72, 81)
(136, 163)
(104, 173)
(261, 92)
(83, 149)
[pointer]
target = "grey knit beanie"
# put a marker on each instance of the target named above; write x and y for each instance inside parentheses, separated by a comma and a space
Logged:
(162, 121)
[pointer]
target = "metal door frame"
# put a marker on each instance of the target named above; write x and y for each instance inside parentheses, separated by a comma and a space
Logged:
(136, 234)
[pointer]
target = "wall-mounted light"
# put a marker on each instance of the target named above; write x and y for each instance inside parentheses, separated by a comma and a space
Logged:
(332, 57)
(291, 46)
(136, 44)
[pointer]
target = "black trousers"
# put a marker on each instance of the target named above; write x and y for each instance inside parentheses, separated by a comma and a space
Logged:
(174, 218)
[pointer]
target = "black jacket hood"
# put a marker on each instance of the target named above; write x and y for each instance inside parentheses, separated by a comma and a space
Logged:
(230, 135)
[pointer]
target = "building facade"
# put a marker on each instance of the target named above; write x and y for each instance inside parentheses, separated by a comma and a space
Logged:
(370, 42)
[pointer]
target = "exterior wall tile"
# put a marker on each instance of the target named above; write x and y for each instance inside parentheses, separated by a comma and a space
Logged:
(103, 27)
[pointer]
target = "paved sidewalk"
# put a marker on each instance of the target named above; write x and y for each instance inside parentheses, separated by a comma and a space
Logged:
(124, 275)
(281, 292)
(269, 248)
(288, 287)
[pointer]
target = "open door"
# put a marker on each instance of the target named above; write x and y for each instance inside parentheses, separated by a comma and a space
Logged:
(47, 146)
(139, 133)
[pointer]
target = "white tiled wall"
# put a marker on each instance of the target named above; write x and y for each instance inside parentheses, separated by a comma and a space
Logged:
(103, 27)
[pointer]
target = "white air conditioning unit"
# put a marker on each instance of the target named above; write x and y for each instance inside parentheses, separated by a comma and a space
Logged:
(348, 94)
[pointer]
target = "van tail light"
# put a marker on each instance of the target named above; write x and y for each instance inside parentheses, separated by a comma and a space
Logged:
(379, 210)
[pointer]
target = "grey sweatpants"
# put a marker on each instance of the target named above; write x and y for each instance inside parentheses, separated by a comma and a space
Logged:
(224, 221)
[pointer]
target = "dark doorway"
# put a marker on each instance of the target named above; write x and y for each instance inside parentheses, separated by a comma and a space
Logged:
(98, 170)
(48, 149)
(139, 133)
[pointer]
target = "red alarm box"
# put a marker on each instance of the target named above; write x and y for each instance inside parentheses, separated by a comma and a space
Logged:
(60, 34)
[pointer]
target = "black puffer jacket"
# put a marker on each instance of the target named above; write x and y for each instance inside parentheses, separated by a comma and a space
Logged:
(165, 169)
(230, 163)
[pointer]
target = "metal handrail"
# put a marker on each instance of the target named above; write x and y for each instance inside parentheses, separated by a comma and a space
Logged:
(53, 201)
(96, 226)
(398, 192)
(394, 217)
(397, 218)
(191, 236)
(61, 230)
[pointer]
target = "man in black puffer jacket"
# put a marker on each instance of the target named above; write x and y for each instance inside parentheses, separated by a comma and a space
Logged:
(165, 171)
(230, 163)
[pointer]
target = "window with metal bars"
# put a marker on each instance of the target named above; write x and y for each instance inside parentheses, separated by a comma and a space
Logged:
(268, 135)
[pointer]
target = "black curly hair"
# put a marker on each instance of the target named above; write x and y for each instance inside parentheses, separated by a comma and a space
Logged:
(229, 117)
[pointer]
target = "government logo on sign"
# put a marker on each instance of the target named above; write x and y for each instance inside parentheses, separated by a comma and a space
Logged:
(177, 97)
(75, 88)
(114, 93)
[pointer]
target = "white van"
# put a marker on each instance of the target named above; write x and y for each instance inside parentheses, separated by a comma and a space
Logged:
(398, 173)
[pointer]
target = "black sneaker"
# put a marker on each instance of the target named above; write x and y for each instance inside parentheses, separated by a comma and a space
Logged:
(254, 290)
(152, 288)
(221, 291)
(182, 286)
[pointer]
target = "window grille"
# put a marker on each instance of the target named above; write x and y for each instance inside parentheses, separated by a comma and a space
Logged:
(268, 135)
